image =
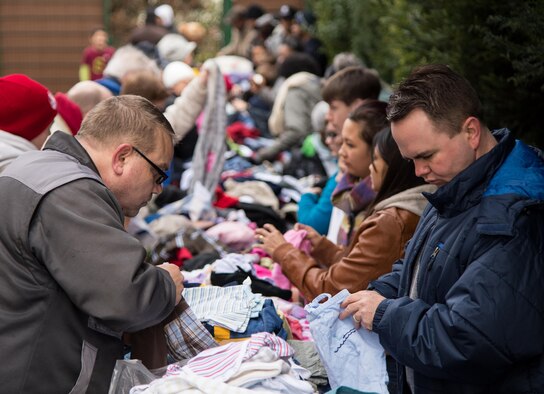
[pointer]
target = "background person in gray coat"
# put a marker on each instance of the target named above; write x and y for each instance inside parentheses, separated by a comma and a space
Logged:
(291, 117)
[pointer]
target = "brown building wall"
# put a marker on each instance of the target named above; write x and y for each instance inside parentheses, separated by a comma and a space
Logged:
(44, 39)
(271, 5)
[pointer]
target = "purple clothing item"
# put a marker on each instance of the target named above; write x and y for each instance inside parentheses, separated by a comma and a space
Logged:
(352, 196)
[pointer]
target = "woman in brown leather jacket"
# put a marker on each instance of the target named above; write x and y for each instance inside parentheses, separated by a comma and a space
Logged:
(379, 240)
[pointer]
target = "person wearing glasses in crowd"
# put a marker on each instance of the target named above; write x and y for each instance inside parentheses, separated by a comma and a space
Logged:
(72, 279)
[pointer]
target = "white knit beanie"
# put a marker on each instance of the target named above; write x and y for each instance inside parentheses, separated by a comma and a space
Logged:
(175, 72)
(166, 13)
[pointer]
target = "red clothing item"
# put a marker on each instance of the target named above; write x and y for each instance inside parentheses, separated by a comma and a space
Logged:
(97, 60)
(238, 131)
(181, 255)
(223, 200)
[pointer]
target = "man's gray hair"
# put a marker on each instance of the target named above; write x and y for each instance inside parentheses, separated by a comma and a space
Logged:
(129, 118)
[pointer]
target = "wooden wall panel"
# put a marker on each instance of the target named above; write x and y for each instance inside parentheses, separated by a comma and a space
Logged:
(44, 39)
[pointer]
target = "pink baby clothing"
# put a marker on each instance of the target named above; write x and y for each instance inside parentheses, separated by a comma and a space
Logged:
(297, 238)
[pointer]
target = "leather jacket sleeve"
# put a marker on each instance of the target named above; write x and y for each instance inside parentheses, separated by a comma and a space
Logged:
(380, 242)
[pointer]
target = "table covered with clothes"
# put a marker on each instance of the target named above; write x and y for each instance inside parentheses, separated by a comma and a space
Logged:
(241, 326)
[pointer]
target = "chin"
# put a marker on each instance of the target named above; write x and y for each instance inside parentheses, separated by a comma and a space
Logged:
(130, 213)
(436, 182)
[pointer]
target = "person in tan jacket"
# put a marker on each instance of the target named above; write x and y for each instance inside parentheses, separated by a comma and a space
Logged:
(380, 239)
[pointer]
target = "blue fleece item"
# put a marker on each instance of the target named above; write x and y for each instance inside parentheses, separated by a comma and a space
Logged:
(315, 211)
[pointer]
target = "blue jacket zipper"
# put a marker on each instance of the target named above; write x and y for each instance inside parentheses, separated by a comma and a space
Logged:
(436, 250)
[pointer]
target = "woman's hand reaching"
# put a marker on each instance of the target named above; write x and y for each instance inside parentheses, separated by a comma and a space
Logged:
(311, 234)
(270, 238)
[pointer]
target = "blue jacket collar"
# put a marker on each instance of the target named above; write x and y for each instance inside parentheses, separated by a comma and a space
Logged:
(467, 188)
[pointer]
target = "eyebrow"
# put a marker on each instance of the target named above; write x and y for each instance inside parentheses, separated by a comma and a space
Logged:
(164, 167)
(419, 155)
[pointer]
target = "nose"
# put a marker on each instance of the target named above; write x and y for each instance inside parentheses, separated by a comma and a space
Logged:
(421, 169)
(341, 151)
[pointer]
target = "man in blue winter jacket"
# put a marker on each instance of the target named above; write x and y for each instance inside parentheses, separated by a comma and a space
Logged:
(463, 312)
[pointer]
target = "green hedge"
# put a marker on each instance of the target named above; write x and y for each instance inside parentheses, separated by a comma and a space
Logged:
(497, 45)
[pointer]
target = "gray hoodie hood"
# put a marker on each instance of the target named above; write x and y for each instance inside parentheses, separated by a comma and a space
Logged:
(11, 146)
(410, 200)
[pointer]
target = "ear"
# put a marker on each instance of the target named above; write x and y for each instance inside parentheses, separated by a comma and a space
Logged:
(119, 158)
(473, 129)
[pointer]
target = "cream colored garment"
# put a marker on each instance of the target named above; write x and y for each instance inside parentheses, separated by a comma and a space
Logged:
(12, 146)
(255, 192)
(410, 200)
(170, 224)
(276, 119)
(183, 112)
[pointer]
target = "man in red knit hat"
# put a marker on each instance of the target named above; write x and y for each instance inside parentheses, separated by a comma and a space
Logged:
(27, 111)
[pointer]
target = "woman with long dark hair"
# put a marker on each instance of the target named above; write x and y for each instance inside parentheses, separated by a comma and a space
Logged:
(379, 241)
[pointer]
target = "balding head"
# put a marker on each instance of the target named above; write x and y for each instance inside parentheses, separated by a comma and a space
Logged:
(86, 94)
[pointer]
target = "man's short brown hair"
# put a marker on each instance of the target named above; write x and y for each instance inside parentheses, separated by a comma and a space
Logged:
(445, 96)
(352, 83)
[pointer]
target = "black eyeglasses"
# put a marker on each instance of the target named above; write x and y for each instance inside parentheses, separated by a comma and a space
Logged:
(162, 175)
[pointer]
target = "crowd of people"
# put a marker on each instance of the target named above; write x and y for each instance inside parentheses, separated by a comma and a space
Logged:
(187, 215)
